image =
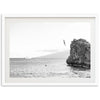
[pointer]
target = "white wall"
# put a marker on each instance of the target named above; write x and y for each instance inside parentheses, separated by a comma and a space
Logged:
(50, 6)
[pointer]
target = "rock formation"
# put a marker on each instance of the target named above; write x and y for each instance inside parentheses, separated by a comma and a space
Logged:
(79, 54)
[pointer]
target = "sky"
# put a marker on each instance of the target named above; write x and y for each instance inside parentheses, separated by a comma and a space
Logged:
(34, 37)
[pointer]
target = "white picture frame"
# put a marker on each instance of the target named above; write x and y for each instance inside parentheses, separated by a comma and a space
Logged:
(6, 81)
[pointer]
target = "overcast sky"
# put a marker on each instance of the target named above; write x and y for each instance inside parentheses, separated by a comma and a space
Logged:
(41, 36)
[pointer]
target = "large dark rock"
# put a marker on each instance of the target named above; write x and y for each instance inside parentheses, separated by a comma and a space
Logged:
(79, 54)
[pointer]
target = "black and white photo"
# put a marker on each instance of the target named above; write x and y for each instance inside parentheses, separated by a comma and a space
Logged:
(49, 49)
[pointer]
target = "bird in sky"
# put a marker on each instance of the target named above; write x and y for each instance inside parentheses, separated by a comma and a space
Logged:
(64, 42)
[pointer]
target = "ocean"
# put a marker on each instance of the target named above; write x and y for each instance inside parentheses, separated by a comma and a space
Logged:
(44, 68)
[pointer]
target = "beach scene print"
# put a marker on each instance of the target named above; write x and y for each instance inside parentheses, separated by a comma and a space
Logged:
(49, 47)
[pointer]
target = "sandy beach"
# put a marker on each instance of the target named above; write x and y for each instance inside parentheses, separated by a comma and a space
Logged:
(44, 67)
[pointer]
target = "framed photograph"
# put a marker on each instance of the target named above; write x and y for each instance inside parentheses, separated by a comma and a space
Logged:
(49, 50)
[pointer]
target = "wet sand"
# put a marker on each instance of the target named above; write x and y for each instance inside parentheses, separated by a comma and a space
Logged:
(44, 68)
